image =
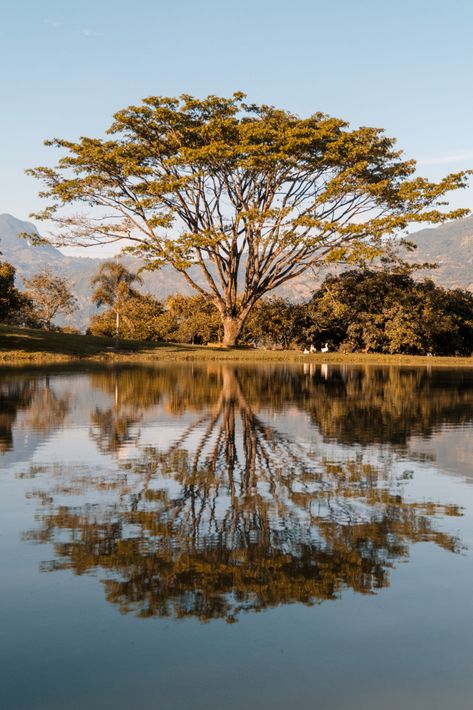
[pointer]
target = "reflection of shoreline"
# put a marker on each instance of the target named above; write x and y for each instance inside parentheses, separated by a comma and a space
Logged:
(406, 409)
(31, 410)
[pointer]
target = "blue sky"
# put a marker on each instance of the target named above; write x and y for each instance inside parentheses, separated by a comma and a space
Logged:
(66, 66)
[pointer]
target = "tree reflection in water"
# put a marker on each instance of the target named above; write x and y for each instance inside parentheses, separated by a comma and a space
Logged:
(374, 405)
(15, 395)
(234, 514)
(42, 409)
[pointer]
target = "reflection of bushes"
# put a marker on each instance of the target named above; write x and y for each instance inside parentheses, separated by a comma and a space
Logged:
(14, 396)
(389, 405)
(42, 409)
(349, 404)
(234, 515)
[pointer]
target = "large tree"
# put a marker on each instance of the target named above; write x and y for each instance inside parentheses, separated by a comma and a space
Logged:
(250, 195)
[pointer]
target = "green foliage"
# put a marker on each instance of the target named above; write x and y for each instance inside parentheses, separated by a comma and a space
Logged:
(141, 320)
(112, 286)
(9, 295)
(191, 319)
(250, 195)
(275, 323)
(379, 311)
(15, 307)
(182, 319)
(360, 310)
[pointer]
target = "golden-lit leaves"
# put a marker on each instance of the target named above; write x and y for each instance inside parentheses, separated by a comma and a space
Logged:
(198, 182)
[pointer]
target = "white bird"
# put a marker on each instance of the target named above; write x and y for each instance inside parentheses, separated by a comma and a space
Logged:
(306, 352)
(324, 349)
(313, 349)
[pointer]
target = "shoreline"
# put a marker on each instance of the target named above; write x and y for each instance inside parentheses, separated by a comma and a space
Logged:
(24, 347)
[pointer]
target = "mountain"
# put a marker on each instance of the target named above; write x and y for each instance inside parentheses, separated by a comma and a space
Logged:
(449, 245)
(29, 259)
(20, 250)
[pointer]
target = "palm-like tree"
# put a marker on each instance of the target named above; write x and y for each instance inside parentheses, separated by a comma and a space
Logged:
(113, 287)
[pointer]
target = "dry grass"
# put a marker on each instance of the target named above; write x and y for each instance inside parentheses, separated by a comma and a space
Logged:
(22, 346)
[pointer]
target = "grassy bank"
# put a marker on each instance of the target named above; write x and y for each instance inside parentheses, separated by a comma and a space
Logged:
(23, 346)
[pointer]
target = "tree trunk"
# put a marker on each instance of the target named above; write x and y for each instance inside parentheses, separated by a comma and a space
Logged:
(232, 326)
(117, 328)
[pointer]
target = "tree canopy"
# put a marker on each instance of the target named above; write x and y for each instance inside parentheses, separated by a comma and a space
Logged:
(252, 195)
(10, 298)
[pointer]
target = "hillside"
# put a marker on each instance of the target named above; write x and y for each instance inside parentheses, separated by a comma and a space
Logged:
(449, 245)
(28, 259)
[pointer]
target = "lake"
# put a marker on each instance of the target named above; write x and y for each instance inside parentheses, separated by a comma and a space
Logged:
(225, 537)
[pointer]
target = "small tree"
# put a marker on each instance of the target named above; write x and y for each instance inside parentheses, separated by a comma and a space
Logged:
(141, 320)
(50, 295)
(113, 288)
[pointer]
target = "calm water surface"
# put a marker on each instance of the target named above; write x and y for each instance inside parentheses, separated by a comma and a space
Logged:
(222, 538)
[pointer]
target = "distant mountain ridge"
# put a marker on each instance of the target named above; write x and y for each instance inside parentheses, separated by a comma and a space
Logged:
(17, 247)
(29, 259)
(450, 246)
